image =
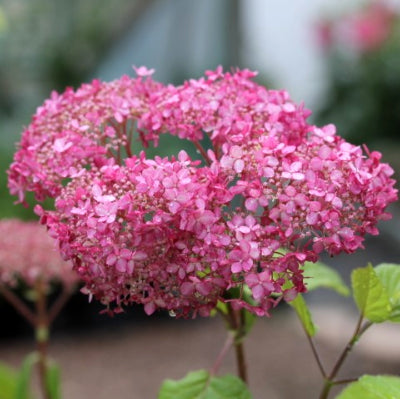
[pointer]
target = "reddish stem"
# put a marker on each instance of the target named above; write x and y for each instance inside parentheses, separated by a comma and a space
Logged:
(330, 379)
(236, 321)
(58, 304)
(202, 152)
(18, 305)
(227, 345)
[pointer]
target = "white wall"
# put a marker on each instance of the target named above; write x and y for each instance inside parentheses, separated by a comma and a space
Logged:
(280, 41)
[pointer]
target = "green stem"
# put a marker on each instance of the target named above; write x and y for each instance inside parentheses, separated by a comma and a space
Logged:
(326, 389)
(42, 335)
(346, 381)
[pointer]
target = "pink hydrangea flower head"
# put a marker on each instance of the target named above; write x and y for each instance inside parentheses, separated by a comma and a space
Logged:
(28, 253)
(272, 192)
(371, 28)
(363, 31)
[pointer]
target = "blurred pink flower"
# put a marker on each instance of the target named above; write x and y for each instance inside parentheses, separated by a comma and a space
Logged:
(371, 28)
(325, 34)
(365, 30)
(27, 254)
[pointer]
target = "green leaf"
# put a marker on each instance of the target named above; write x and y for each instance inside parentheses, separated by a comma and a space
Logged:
(200, 385)
(249, 320)
(8, 382)
(373, 387)
(389, 275)
(222, 307)
(53, 381)
(24, 377)
(301, 308)
(319, 275)
(370, 295)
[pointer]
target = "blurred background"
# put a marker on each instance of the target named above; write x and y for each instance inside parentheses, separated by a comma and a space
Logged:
(341, 58)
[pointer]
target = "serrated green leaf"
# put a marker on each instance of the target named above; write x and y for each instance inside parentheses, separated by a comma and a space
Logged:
(370, 295)
(389, 275)
(8, 382)
(319, 275)
(373, 387)
(200, 385)
(301, 308)
(53, 385)
(24, 377)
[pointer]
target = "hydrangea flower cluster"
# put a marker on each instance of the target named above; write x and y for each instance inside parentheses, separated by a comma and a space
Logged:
(28, 253)
(272, 192)
(364, 31)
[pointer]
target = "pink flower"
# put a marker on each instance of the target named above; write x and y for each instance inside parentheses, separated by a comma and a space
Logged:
(27, 253)
(371, 28)
(143, 71)
(324, 34)
(364, 30)
(176, 234)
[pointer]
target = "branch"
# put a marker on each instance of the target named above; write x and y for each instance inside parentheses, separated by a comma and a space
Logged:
(18, 305)
(59, 304)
